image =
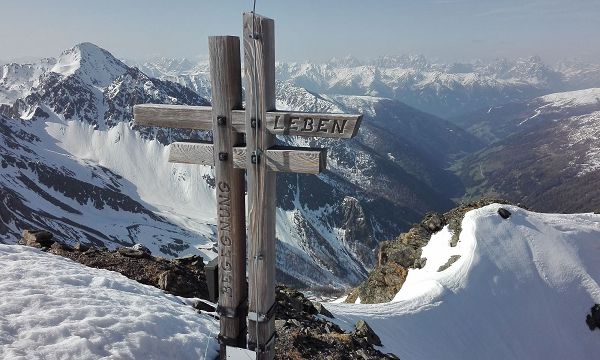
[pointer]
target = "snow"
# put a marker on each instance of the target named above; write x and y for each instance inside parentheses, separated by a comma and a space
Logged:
(426, 281)
(74, 147)
(520, 290)
(91, 63)
(53, 308)
(18, 80)
(573, 98)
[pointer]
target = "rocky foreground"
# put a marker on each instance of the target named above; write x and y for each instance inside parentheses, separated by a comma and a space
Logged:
(304, 328)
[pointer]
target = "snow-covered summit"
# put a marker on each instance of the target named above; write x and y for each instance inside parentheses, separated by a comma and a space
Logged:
(91, 63)
(521, 289)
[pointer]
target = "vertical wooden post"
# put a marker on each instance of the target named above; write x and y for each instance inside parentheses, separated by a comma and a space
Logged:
(259, 72)
(225, 74)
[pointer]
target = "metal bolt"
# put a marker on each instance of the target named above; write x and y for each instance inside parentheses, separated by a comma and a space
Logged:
(254, 158)
(223, 156)
(221, 120)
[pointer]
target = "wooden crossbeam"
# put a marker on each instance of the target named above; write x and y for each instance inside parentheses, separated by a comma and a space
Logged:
(308, 124)
(278, 158)
(183, 117)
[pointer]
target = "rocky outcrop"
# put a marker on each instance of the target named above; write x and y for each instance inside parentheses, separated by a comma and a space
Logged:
(363, 330)
(37, 238)
(396, 257)
(505, 214)
(357, 230)
(449, 263)
(303, 334)
(593, 318)
(183, 276)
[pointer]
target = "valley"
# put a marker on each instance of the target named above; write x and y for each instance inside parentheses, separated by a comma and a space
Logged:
(433, 134)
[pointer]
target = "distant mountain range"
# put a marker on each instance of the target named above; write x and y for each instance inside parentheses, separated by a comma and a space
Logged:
(445, 90)
(73, 163)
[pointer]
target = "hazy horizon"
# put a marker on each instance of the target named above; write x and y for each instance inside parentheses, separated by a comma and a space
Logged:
(442, 30)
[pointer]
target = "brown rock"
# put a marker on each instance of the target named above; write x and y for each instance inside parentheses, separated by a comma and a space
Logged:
(167, 280)
(322, 311)
(129, 252)
(37, 238)
(434, 222)
(362, 329)
(81, 247)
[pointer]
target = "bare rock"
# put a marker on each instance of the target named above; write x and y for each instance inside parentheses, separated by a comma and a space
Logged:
(130, 252)
(141, 248)
(302, 335)
(58, 247)
(449, 263)
(167, 280)
(37, 238)
(362, 329)
(505, 214)
(204, 306)
(593, 318)
(420, 263)
(434, 222)
(322, 310)
(81, 247)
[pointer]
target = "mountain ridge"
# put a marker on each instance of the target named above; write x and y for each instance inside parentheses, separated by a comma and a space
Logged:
(542, 152)
(84, 126)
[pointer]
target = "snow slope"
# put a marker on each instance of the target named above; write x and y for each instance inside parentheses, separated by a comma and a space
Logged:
(84, 200)
(520, 290)
(53, 308)
(573, 98)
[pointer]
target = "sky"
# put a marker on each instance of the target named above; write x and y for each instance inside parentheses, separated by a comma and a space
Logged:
(448, 30)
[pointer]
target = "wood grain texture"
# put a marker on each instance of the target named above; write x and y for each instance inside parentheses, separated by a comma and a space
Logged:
(305, 124)
(296, 160)
(278, 158)
(197, 152)
(183, 117)
(225, 74)
(259, 73)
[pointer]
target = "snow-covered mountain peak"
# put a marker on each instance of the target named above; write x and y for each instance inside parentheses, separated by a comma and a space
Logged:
(346, 61)
(17, 80)
(409, 61)
(91, 63)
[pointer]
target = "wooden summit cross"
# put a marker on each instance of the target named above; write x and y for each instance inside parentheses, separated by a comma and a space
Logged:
(259, 156)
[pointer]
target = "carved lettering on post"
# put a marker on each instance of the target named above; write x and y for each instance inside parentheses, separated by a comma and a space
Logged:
(224, 225)
(307, 124)
(225, 74)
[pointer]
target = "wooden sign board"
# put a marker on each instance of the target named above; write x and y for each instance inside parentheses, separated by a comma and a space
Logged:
(278, 158)
(344, 126)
